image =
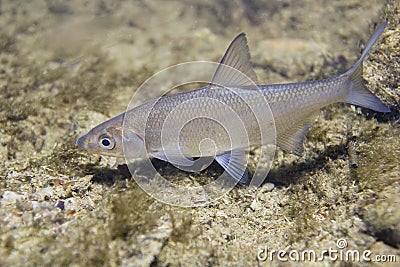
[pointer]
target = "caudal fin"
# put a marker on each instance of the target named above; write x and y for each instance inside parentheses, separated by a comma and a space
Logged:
(359, 95)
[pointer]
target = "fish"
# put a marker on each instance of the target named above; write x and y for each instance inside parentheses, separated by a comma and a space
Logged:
(248, 114)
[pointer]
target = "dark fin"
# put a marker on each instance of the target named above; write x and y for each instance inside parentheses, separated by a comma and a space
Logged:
(235, 67)
(234, 163)
(359, 95)
(292, 141)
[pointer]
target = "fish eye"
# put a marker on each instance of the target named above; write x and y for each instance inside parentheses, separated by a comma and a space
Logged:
(106, 142)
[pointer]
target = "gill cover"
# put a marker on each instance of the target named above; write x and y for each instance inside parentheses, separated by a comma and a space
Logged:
(134, 146)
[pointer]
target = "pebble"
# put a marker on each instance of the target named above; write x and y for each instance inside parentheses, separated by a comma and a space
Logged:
(256, 205)
(268, 187)
(11, 196)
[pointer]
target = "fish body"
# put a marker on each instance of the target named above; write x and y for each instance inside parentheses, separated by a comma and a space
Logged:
(224, 118)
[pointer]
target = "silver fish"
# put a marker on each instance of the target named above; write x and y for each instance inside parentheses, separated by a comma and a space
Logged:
(233, 100)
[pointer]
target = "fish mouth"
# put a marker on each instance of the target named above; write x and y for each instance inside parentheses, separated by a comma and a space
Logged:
(81, 142)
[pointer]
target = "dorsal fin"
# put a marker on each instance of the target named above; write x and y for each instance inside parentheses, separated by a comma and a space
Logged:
(237, 57)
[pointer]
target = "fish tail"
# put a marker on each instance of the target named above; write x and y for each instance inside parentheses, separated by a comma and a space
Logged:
(358, 94)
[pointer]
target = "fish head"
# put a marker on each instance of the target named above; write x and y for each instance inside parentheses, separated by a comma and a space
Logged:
(104, 139)
(109, 139)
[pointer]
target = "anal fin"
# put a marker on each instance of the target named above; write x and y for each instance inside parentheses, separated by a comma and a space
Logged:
(292, 140)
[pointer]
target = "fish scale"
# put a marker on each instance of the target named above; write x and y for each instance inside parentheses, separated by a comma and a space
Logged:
(199, 129)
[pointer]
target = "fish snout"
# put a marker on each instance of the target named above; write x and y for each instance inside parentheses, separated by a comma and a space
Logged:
(82, 141)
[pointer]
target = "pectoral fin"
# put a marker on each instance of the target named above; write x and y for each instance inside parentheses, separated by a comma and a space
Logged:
(174, 157)
(234, 163)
